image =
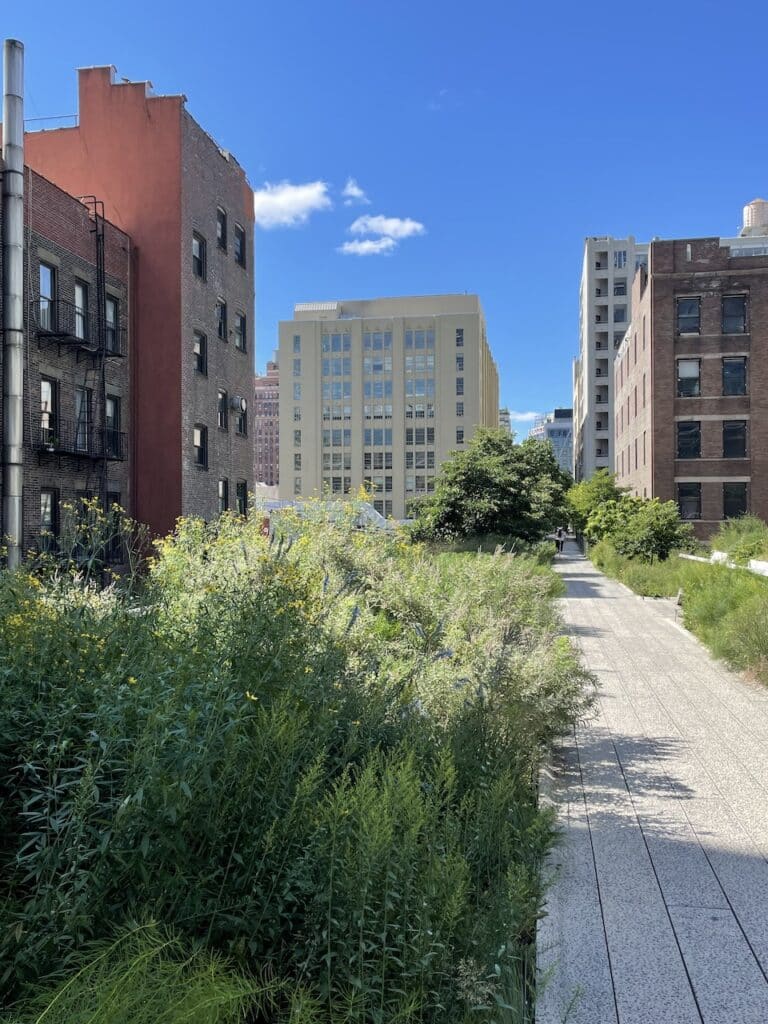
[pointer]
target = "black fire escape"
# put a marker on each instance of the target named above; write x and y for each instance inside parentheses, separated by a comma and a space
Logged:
(94, 338)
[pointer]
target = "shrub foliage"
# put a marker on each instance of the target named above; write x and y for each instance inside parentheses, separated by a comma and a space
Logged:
(313, 755)
(495, 486)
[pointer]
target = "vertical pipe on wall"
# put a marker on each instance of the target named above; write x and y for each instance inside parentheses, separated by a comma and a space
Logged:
(13, 297)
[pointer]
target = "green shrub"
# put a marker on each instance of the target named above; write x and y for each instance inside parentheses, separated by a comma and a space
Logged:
(315, 756)
(743, 539)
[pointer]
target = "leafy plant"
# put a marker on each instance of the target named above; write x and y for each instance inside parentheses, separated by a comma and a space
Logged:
(495, 487)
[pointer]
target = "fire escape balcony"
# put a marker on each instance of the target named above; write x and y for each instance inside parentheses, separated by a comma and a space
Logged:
(62, 322)
(80, 439)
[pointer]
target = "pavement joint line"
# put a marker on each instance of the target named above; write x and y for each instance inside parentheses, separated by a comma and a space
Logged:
(708, 721)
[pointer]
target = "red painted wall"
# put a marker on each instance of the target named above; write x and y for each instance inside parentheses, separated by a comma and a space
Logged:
(126, 151)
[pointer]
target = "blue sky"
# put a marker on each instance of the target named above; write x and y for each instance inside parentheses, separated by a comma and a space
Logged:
(505, 132)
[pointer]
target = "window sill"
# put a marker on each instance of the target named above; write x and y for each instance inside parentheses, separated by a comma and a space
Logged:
(203, 469)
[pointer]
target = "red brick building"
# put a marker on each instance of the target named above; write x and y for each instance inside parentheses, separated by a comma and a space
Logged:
(188, 209)
(266, 426)
(78, 355)
(691, 380)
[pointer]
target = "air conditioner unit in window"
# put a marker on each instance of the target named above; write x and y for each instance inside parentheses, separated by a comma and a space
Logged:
(238, 403)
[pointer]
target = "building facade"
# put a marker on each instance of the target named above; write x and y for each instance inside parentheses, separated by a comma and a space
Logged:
(188, 208)
(691, 378)
(266, 426)
(505, 420)
(605, 309)
(77, 399)
(557, 428)
(379, 392)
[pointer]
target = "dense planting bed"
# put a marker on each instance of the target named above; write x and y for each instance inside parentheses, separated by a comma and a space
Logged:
(312, 760)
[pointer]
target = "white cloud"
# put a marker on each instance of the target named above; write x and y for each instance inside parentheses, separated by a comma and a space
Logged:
(394, 227)
(368, 247)
(285, 205)
(354, 195)
(524, 417)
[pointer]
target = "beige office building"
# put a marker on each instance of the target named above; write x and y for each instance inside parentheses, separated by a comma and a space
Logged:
(379, 392)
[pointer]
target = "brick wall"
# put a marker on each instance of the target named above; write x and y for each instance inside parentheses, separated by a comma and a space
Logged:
(211, 180)
(58, 231)
(704, 269)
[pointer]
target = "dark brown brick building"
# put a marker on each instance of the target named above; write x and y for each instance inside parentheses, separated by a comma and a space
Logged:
(691, 380)
(188, 208)
(77, 363)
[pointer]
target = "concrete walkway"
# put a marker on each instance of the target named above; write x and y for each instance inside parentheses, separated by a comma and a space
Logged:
(659, 909)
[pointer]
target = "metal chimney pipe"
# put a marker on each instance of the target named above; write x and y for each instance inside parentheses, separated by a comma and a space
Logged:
(13, 297)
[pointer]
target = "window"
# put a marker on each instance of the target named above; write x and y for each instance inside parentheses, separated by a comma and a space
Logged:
(734, 499)
(688, 318)
(198, 256)
(297, 367)
(296, 343)
(734, 314)
(735, 375)
(221, 319)
(297, 439)
(81, 310)
(297, 460)
(47, 297)
(689, 440)
(200, 349)
(49, 411)
(241, 496)
(688, 378)
(620, 259)
(460, 363)
(620, 314)
(459, 408)
(222, 410)
(83, 398)
(239, 245)
(459, 385)
(241, 337)
(734, 439)
(297, 392)
(223, 495)
(297, 485)
(49, 517)
(112, 417)
(200, 444)
(460, 435)
(241, 419)
(459, 337)
(297, 414)
(111, 325)
(221, 228)
(689, 500)
(377, 341)
(620, 286)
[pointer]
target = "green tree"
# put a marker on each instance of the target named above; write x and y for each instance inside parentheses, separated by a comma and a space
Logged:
(583, 498)
(653, 530)
(495, 486)
(611, 518)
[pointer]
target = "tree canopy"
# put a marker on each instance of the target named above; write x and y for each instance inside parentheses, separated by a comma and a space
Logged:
(495, 486)
(583, 498)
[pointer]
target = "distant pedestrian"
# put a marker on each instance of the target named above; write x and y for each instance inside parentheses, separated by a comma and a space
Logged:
(560, 536)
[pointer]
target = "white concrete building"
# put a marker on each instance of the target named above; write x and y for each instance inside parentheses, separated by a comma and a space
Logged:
(604, 315)
(379, 392)
(557, 428)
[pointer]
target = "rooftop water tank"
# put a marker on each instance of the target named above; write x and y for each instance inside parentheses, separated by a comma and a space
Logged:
(755, 218)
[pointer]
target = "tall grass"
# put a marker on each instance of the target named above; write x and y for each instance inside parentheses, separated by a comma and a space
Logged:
(145, 976)
(726, 608)
(743, 539)
(314, 756)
